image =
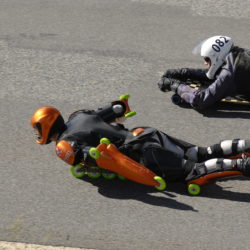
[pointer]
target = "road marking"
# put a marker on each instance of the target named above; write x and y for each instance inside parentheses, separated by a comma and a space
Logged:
(4, 245)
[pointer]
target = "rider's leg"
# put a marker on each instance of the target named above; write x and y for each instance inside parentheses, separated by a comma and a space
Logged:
(223, 149)
(165, 163)
(219, 165)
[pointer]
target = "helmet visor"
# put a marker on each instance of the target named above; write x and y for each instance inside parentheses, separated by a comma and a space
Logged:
(37, 133)
(197, 49)
(207, 59)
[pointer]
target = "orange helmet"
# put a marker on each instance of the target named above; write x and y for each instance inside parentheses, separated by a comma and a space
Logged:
(47, 120)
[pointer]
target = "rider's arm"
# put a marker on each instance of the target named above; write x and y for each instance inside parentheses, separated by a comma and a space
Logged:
(222, 87)
(185, 74)
(112, 111)
(206, 97)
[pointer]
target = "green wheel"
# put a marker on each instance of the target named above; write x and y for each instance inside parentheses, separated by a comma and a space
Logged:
(105, 141)
(194, 189)
(162, 183)
(78, 171)
(129, 114)
(94, 153)
(122, 97)
(109, 176)
(93, 172)
(122, 178)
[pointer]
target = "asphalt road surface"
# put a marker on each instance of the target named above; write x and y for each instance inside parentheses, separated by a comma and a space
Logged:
(83, 54)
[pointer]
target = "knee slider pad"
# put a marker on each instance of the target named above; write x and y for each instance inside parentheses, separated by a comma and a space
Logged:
(197, 171)
(208, 167)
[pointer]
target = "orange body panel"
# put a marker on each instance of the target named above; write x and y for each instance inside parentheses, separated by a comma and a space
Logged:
(65, 152)
(137, 131)
(112, 159)
(212, 177)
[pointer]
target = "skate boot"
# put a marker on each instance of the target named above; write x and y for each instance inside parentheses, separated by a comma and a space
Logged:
(214, 169)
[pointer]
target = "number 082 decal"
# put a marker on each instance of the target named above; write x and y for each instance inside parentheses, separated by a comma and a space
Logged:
(219, 43)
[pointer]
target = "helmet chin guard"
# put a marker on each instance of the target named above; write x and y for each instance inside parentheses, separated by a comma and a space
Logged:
(216, 48)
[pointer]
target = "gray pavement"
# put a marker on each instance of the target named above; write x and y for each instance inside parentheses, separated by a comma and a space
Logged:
(25, 246)
(83, 54)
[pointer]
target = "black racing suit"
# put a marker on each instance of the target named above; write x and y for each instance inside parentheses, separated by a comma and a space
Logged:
(171, 158)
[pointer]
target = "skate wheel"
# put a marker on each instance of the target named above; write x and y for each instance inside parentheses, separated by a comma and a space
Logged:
(123, 97)
(77, 171)
(105, 141)
(94, 153)
(176, 99)
(122, 178)
(109, 176)
(94, 172)
(194, 189)
(162, 183)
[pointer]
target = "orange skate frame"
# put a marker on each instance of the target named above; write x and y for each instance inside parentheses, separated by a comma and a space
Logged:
(108, 156)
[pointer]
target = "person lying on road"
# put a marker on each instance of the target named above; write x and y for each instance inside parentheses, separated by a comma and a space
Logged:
(168, 157)
(228, 74)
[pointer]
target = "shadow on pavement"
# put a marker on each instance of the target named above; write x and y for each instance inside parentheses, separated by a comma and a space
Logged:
(118, 189)
(216, 191)
(223, 110)
(227, 110)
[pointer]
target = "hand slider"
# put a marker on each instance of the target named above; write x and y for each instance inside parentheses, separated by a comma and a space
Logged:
(128, 112)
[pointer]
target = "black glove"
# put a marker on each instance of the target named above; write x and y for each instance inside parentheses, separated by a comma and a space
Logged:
(184, 74)
(180, 74)
(168, 84)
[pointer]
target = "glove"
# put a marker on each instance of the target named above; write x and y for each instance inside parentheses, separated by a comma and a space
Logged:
(168, 84)
(184, 74)
(180, 74)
